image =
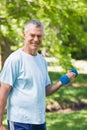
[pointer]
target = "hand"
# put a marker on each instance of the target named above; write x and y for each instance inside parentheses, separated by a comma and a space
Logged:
(2, 127)
(69, 77)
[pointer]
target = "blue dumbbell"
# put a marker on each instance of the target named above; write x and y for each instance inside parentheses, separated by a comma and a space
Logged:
(64, 78)
(74, 71)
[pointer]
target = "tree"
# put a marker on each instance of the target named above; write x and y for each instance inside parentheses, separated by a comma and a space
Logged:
(64, 22)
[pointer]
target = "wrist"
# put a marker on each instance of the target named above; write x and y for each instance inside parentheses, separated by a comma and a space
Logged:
(0, 123)
(59, 84)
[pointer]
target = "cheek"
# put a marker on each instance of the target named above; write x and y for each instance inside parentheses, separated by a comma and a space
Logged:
(40, 40)
(29, 38)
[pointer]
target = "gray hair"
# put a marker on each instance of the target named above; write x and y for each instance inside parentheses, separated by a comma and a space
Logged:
(36, 23)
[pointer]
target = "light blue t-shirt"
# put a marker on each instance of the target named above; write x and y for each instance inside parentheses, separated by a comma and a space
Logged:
(28, 77)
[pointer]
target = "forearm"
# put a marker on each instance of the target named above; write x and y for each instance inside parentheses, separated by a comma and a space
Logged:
(4, 91)
(53, 88)
(2, 108)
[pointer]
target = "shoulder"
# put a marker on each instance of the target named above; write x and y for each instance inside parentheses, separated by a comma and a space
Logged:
(13, 59)
(41, 57)
(14, 56)
(42, 60)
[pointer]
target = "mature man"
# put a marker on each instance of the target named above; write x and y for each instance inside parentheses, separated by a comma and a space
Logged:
(25, 82)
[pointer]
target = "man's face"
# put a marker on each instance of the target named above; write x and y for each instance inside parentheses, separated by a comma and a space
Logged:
(33, 37)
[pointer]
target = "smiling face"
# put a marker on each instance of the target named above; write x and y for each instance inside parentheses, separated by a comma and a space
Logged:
(33, 38)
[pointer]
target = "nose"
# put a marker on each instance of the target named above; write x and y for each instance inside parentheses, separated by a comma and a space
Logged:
(36, 38)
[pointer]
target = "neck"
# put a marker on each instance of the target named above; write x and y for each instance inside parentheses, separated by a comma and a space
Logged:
(28, 51)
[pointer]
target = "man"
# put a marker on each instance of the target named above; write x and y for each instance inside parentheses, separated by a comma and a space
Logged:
(25, 82)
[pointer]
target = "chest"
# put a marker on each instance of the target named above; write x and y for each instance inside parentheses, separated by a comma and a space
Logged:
(32, 68)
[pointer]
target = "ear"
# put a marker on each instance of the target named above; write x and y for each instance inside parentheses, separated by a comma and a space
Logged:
(23, 34)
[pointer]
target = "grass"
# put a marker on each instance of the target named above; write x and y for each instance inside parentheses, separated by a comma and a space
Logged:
(68, 97)
(71, 121)
(5, 121)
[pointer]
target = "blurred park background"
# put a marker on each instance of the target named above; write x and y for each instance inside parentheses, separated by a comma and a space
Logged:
(64, 46)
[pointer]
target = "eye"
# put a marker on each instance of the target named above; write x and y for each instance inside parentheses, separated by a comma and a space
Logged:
(39, 36)
(32, 35)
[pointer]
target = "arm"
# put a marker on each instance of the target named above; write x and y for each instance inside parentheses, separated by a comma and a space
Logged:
(53, 88)
(4, 92)
(50, 89)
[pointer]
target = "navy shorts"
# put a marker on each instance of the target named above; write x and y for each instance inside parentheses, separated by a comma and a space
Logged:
(23, 126)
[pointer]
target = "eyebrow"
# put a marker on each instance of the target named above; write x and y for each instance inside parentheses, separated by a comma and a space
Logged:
(36, 34)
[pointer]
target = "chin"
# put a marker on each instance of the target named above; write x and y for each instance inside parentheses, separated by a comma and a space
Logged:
(35, 47)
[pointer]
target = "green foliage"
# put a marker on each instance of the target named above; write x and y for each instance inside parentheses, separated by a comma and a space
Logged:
(64, 22)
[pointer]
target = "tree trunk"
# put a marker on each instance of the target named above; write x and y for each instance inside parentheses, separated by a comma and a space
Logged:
(5, 49)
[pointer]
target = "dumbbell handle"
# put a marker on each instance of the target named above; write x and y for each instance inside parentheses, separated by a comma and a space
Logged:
(65, 79)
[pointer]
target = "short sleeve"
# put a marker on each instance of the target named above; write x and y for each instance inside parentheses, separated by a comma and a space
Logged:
(48, 81)
(9, 72)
